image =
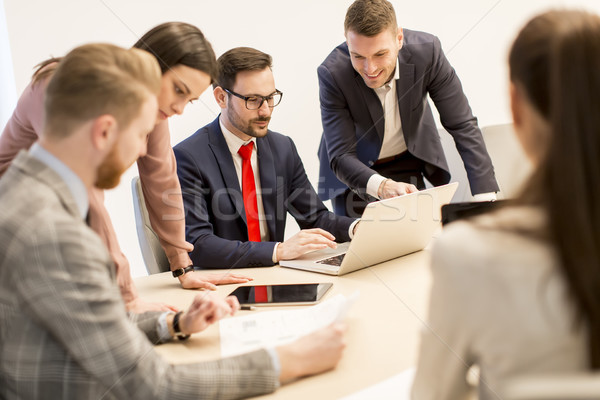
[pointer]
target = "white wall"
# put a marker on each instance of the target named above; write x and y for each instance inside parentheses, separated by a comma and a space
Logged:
(475, 34)
(8, 93)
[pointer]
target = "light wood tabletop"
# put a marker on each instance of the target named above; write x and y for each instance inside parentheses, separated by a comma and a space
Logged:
(383, 325)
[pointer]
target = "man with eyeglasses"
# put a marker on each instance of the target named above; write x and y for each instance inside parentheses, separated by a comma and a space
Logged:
(239, 179)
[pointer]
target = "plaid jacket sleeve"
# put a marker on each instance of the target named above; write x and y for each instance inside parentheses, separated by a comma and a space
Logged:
(64, 331)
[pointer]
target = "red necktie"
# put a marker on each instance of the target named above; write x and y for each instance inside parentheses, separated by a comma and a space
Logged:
(249, 193)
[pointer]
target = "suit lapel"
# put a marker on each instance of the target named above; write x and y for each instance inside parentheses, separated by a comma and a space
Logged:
(218, 146)
(268, 183)
(40, 171)
(373, 105)
(403, 88)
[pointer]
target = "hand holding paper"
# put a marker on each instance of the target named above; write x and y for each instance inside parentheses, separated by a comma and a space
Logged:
(272, 328)
(309, 340)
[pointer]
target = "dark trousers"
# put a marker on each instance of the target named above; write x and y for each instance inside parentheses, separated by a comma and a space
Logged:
(402, 168)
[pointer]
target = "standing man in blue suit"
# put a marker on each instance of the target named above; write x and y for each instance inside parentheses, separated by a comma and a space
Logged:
(378, 129)
(235, 219)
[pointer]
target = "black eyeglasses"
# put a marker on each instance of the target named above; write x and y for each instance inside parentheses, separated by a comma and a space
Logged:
(256, 101)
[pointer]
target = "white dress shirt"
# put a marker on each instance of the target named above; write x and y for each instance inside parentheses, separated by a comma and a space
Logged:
(393, 136)
(234, 143)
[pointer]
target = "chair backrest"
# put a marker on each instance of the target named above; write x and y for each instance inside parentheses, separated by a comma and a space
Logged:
(457, 168)
(154, 256)
(510, 163)
(581, 386)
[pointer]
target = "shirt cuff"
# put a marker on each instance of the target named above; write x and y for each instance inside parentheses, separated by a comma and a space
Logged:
(274, 359)
(351, 229)
(275, 260)
(491, 196)
(373, 185)
(162, 328)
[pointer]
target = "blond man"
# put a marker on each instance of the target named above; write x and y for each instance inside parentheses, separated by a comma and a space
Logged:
(64, 331)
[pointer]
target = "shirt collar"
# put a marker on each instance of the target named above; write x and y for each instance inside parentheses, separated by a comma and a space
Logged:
(392, 82)
(74, 183)
(233, 142)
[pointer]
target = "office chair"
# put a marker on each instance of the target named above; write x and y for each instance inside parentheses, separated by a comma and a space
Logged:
(576, 386)
(510, 163)
(457, 168)
(511, 166)
(154, 256)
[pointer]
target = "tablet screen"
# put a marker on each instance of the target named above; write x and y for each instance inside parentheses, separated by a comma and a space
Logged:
(305, 293)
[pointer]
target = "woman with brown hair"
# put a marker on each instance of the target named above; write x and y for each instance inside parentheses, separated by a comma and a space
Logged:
(517, 292)
(188, 67)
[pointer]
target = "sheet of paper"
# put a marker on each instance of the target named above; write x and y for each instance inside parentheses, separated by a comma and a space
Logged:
(272, 328)
(397, 387)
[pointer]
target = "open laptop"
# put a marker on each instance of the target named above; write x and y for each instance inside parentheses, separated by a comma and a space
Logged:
(388, 229)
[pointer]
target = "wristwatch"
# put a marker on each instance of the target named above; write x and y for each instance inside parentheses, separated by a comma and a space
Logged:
(182, 271)
(178, 334)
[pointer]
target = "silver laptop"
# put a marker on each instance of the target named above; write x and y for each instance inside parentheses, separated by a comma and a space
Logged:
(388, 229)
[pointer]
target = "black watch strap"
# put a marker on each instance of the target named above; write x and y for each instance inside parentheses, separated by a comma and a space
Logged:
(178, 334)
(182, 271)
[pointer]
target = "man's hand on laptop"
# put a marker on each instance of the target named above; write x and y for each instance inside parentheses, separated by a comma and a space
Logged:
(303, 242)
(390, 188)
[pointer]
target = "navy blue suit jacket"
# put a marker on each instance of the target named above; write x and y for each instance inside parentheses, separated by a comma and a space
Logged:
(214, 206)
(353, 121)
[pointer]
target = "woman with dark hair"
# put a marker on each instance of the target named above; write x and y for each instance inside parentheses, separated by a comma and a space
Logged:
(517, 292)
(188, 66)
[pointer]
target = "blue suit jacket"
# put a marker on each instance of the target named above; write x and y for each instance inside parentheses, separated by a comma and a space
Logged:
(353, 121)
(214, 206)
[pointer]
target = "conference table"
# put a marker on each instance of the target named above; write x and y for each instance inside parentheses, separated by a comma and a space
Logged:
(383, 324)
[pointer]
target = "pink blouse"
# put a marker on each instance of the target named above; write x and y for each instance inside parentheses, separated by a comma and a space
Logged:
(158, 176)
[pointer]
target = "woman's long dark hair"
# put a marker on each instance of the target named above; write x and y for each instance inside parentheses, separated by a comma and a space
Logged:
(555, 60)
(179, 43)
(172, 43)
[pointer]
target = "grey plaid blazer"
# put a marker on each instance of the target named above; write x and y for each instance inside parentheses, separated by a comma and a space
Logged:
(64, 331)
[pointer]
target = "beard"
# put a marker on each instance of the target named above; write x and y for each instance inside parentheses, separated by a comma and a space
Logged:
(247, 126)
(110, 171)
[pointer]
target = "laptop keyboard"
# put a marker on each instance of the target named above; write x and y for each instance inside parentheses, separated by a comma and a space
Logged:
(335, 260)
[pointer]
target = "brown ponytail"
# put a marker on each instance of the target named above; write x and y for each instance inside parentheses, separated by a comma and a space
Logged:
(556, 60)
(45, 69)
(171, 43)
